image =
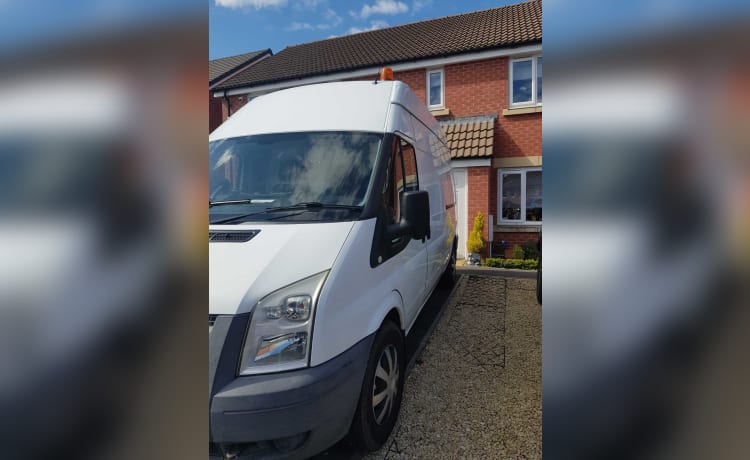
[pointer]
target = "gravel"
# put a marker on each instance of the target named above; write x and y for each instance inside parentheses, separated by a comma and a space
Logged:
(476, 390)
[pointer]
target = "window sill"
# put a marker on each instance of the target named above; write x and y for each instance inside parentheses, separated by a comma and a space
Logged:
(519, 228)
(522, 110)
(439, 112)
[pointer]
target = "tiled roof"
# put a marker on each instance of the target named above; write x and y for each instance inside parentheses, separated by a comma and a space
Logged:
(220, 68)
(506, 26)
(470, 137)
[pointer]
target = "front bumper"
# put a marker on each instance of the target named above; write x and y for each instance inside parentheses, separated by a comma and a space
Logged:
(293, 414)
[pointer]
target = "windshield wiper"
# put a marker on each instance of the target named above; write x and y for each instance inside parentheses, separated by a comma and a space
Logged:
(314, 205)
(219, 203)
(308, 205)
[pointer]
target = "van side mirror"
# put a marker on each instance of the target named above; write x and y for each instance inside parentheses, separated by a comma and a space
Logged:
(415, 216)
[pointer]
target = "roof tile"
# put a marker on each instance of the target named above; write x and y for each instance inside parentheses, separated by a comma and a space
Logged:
(470, 137)
(220, 68)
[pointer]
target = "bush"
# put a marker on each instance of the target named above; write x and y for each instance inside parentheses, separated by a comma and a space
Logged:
(494, 262)
(517, 252)
(475, 243)
(530, 251)
(530, 264)
(513, 263)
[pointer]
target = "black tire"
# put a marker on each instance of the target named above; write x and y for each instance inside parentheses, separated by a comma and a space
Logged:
(449, 275)
(365, 431)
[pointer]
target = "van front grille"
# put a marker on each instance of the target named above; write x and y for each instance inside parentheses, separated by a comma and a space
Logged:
(229, 236)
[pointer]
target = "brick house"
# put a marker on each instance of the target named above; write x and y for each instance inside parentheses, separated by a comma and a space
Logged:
(222, 69)
(479, 74)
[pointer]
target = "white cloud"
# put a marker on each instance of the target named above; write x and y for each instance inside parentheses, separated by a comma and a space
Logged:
(417, 5)
(384, 7)
(374, 25)
(300, 26)
(257, 4)
(332, 19)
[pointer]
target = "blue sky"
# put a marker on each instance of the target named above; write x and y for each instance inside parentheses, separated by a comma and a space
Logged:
(239, 26)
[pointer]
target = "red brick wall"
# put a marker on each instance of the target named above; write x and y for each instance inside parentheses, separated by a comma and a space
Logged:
(512, 239)
(235, 103)
(478, 200)
(215, 117)
(478, 88)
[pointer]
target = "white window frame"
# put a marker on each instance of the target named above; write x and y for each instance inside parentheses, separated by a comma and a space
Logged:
(533, 101)
(442, 88)
(522, 172)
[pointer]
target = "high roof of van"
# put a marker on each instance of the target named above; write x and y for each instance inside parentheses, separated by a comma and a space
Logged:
(338, 106)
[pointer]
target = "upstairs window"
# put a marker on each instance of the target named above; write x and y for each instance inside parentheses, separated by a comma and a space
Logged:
(435, 88)
(526, 81)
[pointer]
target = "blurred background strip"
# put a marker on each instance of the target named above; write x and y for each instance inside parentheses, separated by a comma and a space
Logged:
(647, 233)
(102, 229)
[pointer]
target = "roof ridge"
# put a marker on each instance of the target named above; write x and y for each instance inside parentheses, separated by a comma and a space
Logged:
(415, 22)
(241, 54)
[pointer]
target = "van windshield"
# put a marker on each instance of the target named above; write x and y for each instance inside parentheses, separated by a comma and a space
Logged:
(253, 178)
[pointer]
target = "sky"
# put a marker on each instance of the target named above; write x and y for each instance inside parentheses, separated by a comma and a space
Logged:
(241, 26)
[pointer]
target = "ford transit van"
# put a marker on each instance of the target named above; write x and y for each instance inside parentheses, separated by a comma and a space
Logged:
(332, 220)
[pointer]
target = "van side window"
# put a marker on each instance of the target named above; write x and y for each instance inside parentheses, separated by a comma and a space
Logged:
(409, 157)
(402, 177)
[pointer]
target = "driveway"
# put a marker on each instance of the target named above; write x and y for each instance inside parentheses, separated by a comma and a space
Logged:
(475, 388)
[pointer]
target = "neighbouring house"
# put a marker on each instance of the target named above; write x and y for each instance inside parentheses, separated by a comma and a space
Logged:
(222, 69)
(480, 75)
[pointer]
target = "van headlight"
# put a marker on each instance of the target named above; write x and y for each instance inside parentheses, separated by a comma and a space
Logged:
(278, 338)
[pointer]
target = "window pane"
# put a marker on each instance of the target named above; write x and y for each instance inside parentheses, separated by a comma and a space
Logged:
(539, 79)
(534, 196)
(393, 185)
(522, 81)
(511, 196)
(410, 167)
(435, 88)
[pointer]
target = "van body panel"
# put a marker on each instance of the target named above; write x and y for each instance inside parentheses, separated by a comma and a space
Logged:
(356, 298)
(240, 274)
(354, 106)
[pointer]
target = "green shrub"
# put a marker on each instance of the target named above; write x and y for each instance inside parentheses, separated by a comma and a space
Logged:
(517, 252)
(530, 264)
(475, 243)
(494, 262)
(530, 251)
(513, 263)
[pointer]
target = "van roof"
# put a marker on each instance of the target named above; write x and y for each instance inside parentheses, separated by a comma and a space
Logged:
(337, 106)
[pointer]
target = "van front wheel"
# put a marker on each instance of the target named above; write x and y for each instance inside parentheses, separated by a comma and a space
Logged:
(380, 398)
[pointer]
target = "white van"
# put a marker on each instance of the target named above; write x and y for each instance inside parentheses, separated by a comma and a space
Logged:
(331, 222)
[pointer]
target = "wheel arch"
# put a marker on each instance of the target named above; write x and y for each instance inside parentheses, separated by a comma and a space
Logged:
(390, 309)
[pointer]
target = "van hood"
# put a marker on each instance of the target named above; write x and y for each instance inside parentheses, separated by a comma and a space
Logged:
(272, 256)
